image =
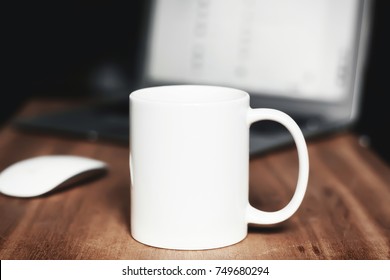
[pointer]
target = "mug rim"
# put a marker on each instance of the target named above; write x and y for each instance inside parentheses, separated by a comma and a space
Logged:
(188, 94)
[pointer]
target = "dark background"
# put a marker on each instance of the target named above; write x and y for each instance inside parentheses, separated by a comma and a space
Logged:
(90, 49)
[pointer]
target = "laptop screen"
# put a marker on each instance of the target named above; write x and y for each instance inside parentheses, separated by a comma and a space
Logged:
(301, 49)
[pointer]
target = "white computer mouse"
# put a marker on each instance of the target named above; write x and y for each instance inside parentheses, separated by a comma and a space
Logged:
(39, 175)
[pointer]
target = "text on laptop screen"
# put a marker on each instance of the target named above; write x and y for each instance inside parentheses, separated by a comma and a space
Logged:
(299, 49)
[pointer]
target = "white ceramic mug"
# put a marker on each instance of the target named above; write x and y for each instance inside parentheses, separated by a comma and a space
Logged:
(189, 164)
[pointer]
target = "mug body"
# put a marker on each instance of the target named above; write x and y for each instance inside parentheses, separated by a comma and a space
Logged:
(189, 157)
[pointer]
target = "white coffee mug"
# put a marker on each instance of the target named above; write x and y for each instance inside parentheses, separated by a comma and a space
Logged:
(189, 164)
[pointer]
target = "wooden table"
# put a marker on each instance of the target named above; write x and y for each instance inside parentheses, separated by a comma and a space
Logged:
(345, 213)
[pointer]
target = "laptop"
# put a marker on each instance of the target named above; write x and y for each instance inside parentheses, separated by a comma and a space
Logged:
(303, 57)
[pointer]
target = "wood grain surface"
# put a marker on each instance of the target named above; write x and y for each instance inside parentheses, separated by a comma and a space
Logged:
(345, 213)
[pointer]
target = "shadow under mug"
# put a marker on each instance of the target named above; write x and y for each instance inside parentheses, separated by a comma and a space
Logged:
(189, 165)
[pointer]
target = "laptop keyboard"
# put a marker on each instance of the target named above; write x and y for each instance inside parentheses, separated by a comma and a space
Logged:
(271, 128)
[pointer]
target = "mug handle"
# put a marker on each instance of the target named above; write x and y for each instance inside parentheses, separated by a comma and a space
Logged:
(256, 216)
